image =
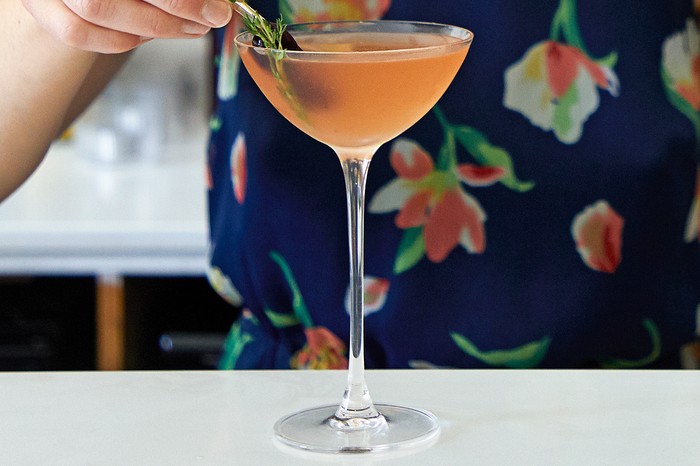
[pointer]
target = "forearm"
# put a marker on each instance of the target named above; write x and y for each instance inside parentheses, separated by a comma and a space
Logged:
(41, 78)
(50, 71)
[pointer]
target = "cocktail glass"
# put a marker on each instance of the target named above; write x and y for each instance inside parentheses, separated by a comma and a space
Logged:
(355, 86)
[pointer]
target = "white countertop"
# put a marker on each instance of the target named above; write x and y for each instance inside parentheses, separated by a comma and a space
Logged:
(225, 418)
(80, 216)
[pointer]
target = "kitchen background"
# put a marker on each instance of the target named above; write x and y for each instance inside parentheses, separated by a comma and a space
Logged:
(103, 250)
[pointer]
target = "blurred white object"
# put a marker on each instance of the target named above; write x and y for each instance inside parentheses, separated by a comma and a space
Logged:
(162, 93)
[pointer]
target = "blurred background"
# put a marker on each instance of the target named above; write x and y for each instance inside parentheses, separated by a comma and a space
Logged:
(103, 251)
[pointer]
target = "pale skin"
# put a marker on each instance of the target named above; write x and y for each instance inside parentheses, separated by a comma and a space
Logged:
(57, 55)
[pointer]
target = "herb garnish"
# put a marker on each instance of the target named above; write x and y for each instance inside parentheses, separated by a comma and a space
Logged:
(270, 35)
(276, 38)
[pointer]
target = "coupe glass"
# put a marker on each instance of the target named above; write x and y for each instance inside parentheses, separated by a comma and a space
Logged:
(355, 86)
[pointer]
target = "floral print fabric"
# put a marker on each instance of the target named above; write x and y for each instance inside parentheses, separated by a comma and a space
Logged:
(544, 214)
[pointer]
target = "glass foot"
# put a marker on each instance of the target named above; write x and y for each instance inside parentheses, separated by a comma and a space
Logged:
(313, 430)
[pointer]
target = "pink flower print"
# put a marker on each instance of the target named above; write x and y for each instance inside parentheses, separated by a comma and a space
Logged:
(376, 290)
(208, 175)
(680, 71)
(434, 201)
(555, 86)
(410, 160)
(692, 226)
(323, 350)
(299, 11)
(415, 211)
(564, 63)
(597, 231)
(475, 175)
(229, 62)
(239, 169)
(690, 91)
(456, 218)
(680, 62)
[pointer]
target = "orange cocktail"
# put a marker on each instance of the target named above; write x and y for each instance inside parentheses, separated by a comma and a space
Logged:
(357, 89)
(353, 87)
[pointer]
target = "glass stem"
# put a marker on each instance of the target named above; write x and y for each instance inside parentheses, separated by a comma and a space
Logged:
(356, 404)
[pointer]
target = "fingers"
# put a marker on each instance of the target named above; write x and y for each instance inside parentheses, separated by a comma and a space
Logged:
(135, 17)
(56, 18)
(212, 13)
(112, 26)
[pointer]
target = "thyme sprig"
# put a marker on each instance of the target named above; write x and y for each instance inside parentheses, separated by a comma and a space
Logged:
(275, 38)
(271, 34)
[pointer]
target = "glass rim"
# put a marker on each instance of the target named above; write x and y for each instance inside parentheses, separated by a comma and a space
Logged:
(468, 38)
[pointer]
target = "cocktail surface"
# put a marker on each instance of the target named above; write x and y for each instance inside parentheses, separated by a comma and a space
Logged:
(356, 90)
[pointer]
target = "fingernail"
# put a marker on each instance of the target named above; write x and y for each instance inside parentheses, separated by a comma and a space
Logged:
(216, 12)
(195, 28)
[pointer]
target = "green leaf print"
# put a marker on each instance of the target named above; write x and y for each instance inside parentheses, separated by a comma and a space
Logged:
(565, 28)
(411, 250)
(654, 335)
(300, 310)
(233, 347)
(286, 11)
(523, 357)
(215, 123)
(681, 104)
(447, 156)
(282, 320)
(561, 121)
(487, 154)
(608, 61)
(565, 23)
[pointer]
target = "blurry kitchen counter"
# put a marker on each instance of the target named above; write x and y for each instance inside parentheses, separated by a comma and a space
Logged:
(77, 216)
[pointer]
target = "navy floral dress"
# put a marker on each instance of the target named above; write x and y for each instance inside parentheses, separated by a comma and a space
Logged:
(544, 214)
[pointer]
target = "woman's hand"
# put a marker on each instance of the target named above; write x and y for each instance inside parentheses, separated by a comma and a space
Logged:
(114, 26)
